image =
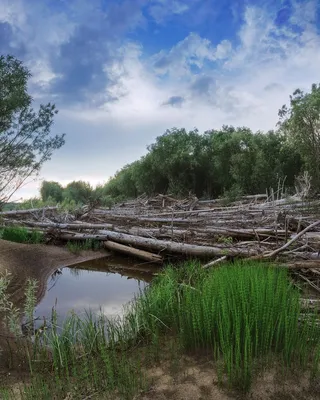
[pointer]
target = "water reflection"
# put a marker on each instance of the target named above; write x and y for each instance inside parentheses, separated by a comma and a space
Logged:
(105, 285)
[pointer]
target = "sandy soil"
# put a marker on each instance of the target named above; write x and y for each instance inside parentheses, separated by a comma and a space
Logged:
(198, 380)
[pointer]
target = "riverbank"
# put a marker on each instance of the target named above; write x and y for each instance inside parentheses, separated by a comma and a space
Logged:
(33, 261)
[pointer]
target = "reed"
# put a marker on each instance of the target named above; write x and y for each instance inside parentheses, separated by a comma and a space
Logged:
(244, 314)
(21, 235)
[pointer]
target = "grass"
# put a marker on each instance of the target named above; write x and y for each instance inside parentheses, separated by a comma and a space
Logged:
(245, 316)
(21, 235)
(88, 244)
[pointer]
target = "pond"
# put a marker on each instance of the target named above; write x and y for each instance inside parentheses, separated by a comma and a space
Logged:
(105, 284)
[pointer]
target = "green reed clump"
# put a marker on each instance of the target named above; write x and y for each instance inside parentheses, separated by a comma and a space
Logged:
(86, 353)
(242, 313)
(87, 244)
(21, 235)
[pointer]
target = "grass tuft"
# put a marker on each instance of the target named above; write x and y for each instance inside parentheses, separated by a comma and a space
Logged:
(88, 244)
(244, 315)
(21, 235)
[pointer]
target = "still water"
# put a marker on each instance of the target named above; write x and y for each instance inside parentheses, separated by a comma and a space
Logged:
(105, 285)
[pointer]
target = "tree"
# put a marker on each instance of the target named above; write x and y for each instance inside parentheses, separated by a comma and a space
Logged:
(53, 190)
(78, 191)
(25, 140)
(301, 123)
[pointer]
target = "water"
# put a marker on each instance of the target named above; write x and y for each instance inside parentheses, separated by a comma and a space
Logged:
(100, 285)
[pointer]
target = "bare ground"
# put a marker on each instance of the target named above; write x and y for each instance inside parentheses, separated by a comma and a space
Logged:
(197, 379)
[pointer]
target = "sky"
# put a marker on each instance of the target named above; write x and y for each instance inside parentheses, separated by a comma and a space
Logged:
(121, 72)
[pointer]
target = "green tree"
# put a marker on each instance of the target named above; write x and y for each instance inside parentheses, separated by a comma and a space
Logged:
(78, 191)
(53, 190)
(301, 123)
(25, 140)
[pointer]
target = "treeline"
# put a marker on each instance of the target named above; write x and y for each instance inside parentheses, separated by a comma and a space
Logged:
(230, 161)
(210, 164)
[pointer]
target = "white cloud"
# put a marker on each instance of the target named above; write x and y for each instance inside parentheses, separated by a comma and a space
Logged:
(192, 51)
(161, 9)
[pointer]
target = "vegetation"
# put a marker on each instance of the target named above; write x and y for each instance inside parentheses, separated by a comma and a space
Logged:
(51, 191)
(247, 317)
(21, 235)
(230, 161)
(244, 315)
(25, 141)
(301, 123)
(88, 244)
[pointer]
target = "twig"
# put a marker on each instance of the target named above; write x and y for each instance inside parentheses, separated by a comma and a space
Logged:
(310, 283)
(214, 262)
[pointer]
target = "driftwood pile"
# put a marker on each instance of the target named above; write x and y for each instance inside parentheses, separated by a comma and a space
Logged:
(256, 227)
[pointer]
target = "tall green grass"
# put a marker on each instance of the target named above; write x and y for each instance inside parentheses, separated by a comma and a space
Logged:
(244, 315)
(87, 244)
(86, 355)
(21, 235)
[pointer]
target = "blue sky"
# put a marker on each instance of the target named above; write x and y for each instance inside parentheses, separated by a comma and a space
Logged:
(123, 71)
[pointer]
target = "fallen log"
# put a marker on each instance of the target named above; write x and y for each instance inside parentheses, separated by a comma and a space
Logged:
(29, 211)
(144, 255)
(303, 264)
(162, 245)
(72, 226)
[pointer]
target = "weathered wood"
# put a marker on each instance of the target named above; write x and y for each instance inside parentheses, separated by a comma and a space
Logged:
(72, 226)
(214, 262)
(29, 211)
(161, 245)
(144, 255)
(277, 251)
(303, 264)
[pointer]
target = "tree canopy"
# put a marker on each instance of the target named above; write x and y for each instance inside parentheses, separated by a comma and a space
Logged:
(25, 139)
(301, 123)
(209, 164)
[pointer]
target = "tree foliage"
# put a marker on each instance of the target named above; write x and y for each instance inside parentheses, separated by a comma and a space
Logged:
(25, 140)
(228, 160)
(301, 123)
(51, 190)
(78, 191)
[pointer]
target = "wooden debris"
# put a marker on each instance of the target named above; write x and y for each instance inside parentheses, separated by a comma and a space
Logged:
(152, 228)
(144, 255)
(215, 262)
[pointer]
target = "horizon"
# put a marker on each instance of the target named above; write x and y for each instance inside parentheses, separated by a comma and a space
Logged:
(121, 72)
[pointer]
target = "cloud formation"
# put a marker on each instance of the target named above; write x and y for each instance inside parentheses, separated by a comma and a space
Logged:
(122, 72)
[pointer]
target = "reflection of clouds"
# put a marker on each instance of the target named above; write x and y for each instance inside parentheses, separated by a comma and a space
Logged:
(89, 290)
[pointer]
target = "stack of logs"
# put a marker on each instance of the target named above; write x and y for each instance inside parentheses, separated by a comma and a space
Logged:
(255, 227)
